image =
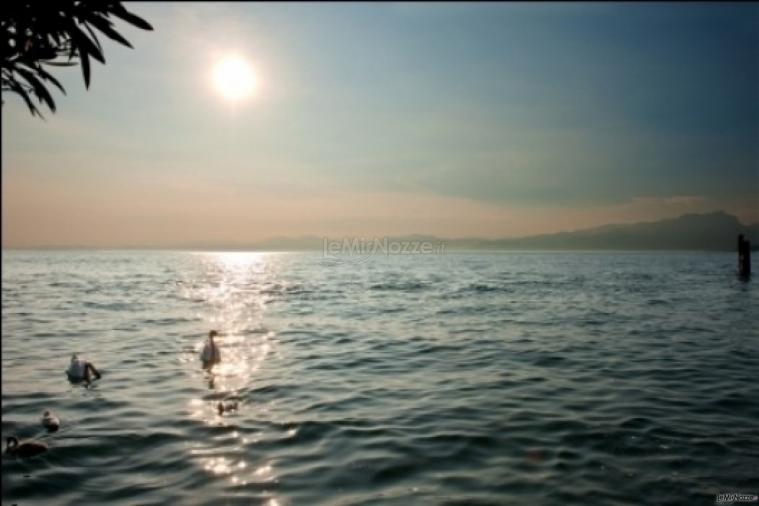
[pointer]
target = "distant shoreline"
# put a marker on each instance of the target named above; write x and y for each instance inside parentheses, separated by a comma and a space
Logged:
(450, 250)
(716, 231)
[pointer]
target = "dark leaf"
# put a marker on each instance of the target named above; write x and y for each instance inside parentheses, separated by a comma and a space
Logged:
(49, 77)
(39, 89)
(94, 37)
(85, 69)
(16, 87)
(106, 27)
(84, 45)
(120, 12)
(60, 63)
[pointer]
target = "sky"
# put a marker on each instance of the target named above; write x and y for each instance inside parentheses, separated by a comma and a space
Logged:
(452, 119)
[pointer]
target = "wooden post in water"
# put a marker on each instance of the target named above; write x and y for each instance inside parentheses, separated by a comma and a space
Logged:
(744, 257)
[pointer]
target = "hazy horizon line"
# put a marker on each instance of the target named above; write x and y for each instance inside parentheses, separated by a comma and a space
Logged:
(261, 245)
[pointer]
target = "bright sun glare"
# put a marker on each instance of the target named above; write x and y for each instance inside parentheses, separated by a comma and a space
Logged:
(233, 78)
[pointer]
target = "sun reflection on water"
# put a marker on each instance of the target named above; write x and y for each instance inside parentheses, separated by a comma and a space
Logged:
(230, 295)
(230, 288)
(237, 470)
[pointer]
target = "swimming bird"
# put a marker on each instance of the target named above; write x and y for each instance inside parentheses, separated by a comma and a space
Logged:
(50, 421)
(81, 370)
(25, 449)
(221, 407)
(211, 354)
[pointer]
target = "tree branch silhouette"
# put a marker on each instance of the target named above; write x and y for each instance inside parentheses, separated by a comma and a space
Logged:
(38, 34)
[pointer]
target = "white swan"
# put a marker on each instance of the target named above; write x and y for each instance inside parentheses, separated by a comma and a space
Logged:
(81, 369)
(211, 353)
(50, 421)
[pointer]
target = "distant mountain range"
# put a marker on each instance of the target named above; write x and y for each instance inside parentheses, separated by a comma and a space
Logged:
(717, 231)
(712, 232)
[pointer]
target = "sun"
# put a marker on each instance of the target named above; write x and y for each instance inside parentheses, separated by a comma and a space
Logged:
(233, 78)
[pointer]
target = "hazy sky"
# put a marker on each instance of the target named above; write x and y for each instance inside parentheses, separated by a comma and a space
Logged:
(490, 120)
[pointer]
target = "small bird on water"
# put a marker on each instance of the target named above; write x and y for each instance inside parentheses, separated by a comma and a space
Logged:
(24, 449)
(222, 408)
(50, 421)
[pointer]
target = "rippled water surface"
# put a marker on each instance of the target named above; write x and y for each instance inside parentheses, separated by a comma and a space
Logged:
(482, 378)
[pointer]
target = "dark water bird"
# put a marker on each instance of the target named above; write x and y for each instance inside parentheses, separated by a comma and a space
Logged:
(50, 421)
(24, 449)
(225, 408)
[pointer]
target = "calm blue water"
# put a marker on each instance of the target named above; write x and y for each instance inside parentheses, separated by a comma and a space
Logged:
(493, 378)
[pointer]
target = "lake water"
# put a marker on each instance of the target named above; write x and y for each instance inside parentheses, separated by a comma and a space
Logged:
(463, 378)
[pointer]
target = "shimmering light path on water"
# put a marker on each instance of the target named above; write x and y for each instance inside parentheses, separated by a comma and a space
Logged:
(482, 378)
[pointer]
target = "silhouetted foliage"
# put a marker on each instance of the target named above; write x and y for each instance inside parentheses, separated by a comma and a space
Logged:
(55, 33)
